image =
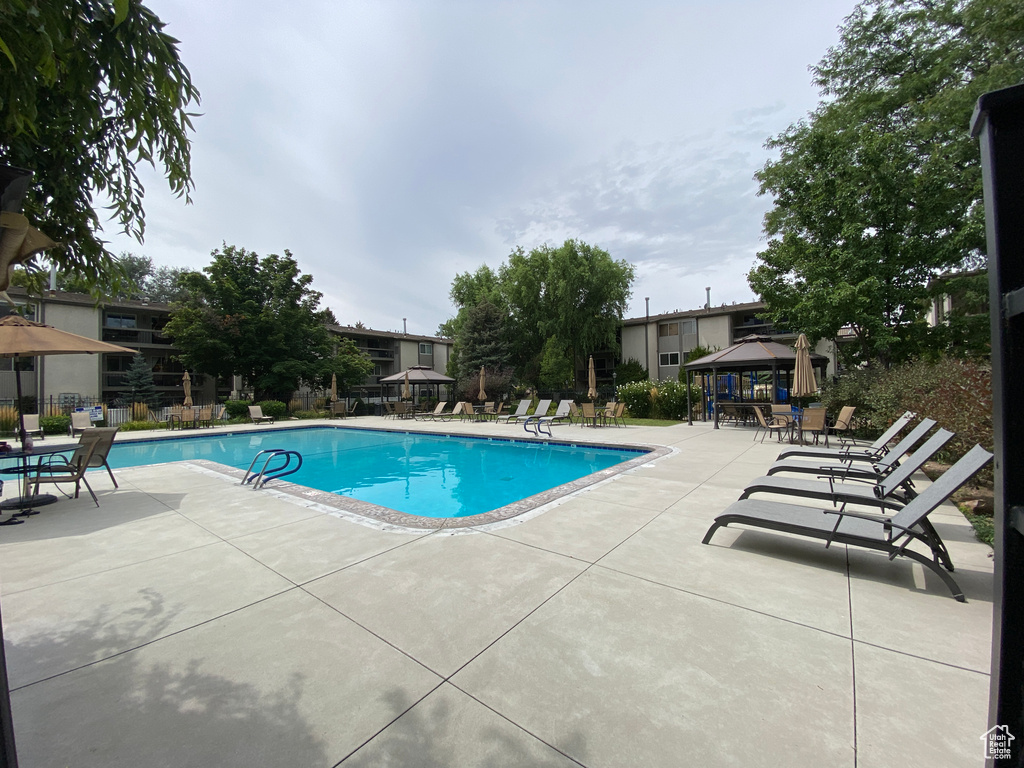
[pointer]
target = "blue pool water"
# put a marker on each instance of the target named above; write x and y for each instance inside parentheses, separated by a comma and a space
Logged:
(426, 475)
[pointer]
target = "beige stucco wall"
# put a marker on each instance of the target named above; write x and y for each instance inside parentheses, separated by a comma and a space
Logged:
(714, 331)
(79, 374)
(633, 343)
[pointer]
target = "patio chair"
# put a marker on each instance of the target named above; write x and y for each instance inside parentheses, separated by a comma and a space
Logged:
(70, 471)
(79, 421)
(843, 425)
(892, 491)
(339, 408)
(575, 414)
(389, 409)
(782, 412)
(32, 425)
(775, 424)
(205, 416)
(853, 466)
(619, 414)
(889, 534)
(873, 451)
(589, 414)
(813, 421)
(524, 406)
(538, 422)
(256, 414)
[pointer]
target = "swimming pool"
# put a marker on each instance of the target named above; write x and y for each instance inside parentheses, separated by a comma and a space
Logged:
(426, 475)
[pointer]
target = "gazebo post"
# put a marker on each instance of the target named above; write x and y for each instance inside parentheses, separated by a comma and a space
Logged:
(714, 394)
(689, 405)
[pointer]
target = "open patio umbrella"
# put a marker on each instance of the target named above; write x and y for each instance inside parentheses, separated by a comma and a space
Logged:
(804, 384)
(20, 337)
(186, 384)
(482, 394)
(592, 380)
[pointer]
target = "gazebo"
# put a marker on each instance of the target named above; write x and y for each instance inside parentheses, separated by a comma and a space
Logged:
(418, 375)
(752, 355)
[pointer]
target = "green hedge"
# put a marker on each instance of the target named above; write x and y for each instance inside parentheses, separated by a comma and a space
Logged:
(659, 400)
(55, 425)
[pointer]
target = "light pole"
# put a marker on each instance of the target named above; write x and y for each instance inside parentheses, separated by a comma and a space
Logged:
(647, 341)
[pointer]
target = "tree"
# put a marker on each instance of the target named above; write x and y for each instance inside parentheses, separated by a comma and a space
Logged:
(349, 364)
(556, 368)
(481, 341)
(257, 318)
(138, 383)
(88, 89)
(576, 293)
(878, 191)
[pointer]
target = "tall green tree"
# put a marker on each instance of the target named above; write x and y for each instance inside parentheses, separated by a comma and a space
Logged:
(576, 293)
(878, 190)
(138, 383)
(88, 89)
(481, 341)
(349, 364)
(254, 317)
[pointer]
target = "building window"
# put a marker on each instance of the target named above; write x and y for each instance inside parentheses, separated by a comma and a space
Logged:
(689, 327)
(120, 321)
(668, 329)
(668, 358)
(378, 369)
(426, 349)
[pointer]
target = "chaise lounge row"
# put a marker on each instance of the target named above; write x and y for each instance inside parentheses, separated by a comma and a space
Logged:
(872, 475)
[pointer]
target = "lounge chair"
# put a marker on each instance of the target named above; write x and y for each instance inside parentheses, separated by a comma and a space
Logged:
(524, 406)
(853, 466)
(455, 411)
(892, 491)
(437, 412)
(79, 421)
(890, 535)
(769, 425)
(541, 410)
(256, 414)
(539, 422)
(32, 425)
(870, 452)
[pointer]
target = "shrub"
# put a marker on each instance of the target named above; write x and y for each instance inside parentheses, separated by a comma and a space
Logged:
(8, 420)
(630, 371)
(273, 408)
(55, 425)
(307, 414)
(669, 402)
(237, 409)
(135, 426)
(637, 397)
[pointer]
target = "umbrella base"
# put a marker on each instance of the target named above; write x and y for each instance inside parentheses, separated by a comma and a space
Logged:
(28, 502)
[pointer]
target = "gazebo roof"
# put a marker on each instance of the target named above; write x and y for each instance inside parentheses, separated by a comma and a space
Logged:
(418, 374)
(753, 353)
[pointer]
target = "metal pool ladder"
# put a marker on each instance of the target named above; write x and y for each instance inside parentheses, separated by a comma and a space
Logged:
(268, 473)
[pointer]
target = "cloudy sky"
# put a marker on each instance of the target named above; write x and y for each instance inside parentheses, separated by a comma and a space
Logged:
(391, 145)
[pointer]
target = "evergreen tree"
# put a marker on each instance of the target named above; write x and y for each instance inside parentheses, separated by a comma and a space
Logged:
(139, 386)
(481, 340)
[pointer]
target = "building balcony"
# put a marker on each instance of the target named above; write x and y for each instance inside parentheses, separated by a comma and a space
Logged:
(136, 337)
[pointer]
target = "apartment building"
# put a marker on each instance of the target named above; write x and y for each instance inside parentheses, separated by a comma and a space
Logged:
(392, 352)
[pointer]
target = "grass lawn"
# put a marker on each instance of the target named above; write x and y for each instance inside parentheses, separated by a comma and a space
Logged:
(650, 422)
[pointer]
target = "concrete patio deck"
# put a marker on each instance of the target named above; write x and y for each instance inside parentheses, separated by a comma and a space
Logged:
(192, 622)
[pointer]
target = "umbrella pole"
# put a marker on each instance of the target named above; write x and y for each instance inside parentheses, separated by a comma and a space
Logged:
(21, 411)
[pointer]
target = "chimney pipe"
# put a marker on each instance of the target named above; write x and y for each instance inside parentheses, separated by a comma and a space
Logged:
(405, 328)
(707, 306)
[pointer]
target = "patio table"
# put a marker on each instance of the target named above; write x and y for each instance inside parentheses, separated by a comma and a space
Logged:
(26, 502)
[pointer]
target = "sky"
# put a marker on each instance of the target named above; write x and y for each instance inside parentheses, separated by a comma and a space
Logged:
(391, 145)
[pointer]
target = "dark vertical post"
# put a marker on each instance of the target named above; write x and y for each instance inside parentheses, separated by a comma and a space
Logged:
(999, 124)
(13, 185)
(689, 404)
(714, 394)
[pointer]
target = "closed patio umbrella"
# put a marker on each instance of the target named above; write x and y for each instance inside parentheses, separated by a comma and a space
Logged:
(482, 394)
(592, 380)
(186, 383)
(20, 337)
(804, 384)
(406, 390)
(334, 387)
